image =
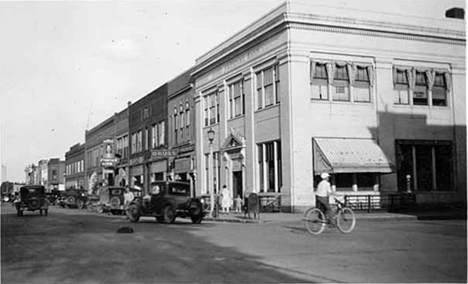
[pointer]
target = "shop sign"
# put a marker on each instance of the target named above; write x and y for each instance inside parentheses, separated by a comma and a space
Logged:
(137, 161)
(109, 162)
(163, 153)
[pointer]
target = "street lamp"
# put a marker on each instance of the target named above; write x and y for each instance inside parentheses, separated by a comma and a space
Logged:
(211, 134)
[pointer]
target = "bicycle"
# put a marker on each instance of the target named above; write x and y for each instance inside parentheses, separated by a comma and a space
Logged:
(315, 220)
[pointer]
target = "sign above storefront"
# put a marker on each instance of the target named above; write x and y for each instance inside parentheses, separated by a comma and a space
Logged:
(163, 153)
(108, 162)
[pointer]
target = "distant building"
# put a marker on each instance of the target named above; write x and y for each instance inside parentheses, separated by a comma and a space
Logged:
(56, 174)
(75, 167)
(31, 176)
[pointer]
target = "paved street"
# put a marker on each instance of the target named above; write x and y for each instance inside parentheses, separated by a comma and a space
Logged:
(73, 246)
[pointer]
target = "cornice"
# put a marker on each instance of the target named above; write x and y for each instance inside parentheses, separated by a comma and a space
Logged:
(375, 33)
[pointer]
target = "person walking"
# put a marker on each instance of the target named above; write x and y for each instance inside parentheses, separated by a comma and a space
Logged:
(225, 199)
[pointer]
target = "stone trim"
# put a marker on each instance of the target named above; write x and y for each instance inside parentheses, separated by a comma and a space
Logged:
(385, 34)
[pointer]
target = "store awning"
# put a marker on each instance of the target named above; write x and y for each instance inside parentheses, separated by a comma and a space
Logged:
(349, 155)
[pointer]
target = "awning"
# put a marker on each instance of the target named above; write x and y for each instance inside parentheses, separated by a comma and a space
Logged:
(349, 155)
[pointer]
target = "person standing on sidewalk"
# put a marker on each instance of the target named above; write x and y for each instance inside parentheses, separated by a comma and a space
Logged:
(322, 194)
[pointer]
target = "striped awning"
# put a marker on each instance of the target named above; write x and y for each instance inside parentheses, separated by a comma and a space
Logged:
(349, 155)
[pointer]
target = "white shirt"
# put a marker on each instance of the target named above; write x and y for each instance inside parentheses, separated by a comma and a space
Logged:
(323, 188)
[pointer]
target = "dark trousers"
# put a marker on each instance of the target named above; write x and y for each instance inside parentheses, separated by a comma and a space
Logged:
(327, 208)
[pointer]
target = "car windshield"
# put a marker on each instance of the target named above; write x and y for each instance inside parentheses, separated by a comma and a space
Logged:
(116, 192)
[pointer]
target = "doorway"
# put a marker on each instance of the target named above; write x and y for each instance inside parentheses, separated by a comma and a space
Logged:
(237, 184)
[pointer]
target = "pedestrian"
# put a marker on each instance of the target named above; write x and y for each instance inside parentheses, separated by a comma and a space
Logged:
(225, 199)
(238, 205)
(322, 196)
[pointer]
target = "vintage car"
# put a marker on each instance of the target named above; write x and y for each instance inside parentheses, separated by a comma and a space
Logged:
(112, 199)
(166, 201)
(32, 198)
(76, 198)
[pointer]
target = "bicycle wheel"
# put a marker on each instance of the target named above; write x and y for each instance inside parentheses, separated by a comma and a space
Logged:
(314, 221)
(345, 220)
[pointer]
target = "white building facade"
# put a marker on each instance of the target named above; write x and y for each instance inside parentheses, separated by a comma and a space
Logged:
(375, 99)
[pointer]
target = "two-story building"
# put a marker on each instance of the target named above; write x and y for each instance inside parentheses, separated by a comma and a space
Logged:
(75, 167)
(149, 154)
(375, 99)
(181, 131)
(55, 175)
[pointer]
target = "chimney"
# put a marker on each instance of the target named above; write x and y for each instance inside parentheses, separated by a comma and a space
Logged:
(455, 13)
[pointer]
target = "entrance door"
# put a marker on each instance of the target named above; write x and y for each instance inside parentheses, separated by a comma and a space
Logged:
(237, 184)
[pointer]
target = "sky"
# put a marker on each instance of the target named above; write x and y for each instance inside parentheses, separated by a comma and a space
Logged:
(67, 66)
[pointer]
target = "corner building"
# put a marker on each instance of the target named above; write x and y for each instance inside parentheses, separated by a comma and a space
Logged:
(375, 99)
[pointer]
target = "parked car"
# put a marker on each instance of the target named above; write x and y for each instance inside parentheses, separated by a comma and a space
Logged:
(32, 198)
(166, 201)
(112, 199)
(76, 198)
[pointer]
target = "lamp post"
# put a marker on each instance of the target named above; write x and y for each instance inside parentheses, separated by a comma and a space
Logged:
(211, 134)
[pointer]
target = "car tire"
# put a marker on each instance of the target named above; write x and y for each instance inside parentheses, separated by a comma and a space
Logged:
(18, 213)
(133, 213)
(71, 200)
(169, 214)
(40, 212)
(46, 211)
(197, 219)
(34, 204)
(80, 204)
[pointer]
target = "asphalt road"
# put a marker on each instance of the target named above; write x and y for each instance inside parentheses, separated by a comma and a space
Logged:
(75, 246)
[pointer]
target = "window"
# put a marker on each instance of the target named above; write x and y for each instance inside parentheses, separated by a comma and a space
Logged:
(139, 140)
(420, 89)
(401, 87)
(341, 84)
(439, 90)
(428, 164)
(145, 139)
(134, 148)
(154, 136)
(268, 83)
(145, 113)
(216, 166)
(361, 87)
(319, 82)
(236, 99)
(211, 109)
(187, 116)
(162, 132)
(269, 166)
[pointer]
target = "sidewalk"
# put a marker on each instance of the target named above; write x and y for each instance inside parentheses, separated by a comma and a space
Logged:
(458, 214)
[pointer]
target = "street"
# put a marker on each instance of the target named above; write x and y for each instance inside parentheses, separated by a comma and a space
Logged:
(76, 246)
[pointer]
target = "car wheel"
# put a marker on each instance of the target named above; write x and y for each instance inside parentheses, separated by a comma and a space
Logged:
(169, 214)
(80, 204)
(197, 219)
(160, 219)
(71, 200)
(18, 213)
(34, 204)
(133, 213)
(46, 212)
(40, 212)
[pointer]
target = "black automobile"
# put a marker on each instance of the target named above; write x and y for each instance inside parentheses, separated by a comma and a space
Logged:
(32, 198)
(112, 199)
(166, 201)
(76, 198)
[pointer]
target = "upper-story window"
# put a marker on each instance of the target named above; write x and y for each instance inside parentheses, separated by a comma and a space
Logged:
(182, 121)
(319, 82)
(400, 87)
(420, 94)
(439, 90)
(157, 134)
(421, 86)
(236, 99)
(187, 113)
(268, 86)
(361, 86)
(342, 81)
(211, 105)
(145, 113)
(340, 84)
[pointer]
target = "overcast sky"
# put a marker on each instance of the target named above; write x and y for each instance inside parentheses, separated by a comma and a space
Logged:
(67, 66)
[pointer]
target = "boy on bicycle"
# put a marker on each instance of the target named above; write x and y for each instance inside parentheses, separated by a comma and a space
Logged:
(322, 194)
